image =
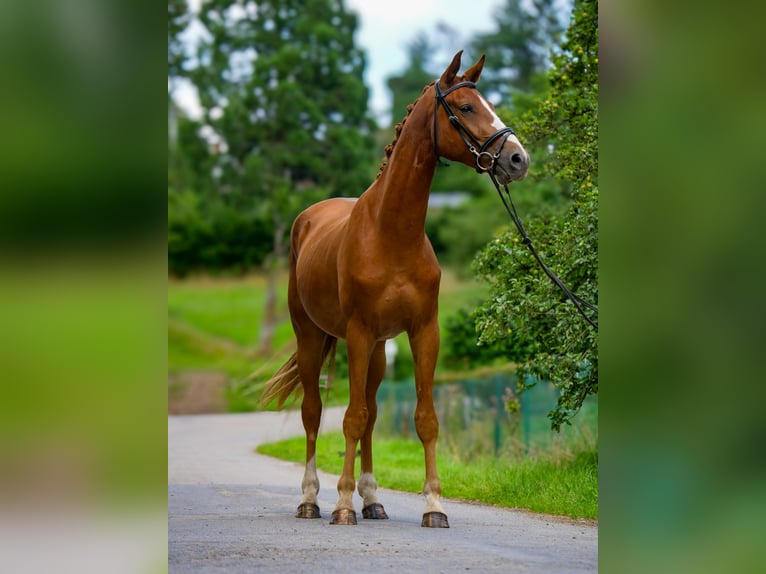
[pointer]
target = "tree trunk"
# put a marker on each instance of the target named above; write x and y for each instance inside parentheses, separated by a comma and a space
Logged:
(272, 266)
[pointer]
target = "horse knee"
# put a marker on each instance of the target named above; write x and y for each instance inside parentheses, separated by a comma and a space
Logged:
(426, 424)
(355, 423)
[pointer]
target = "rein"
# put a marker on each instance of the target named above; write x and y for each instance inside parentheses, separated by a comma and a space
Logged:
(504, 133)
(578, 301)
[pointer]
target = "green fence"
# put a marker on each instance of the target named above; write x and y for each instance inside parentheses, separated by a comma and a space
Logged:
(474, 419)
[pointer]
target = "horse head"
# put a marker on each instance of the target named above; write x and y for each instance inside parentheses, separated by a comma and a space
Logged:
(467, 129)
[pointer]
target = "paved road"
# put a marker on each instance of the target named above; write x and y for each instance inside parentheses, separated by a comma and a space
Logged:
(231, 510)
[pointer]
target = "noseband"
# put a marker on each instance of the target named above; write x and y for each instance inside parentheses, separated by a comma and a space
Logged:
(485, 161)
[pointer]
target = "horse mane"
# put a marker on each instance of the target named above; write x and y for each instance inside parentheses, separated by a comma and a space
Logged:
(398, 130)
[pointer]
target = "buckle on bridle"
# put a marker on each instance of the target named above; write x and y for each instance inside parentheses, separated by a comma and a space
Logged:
(479, 166)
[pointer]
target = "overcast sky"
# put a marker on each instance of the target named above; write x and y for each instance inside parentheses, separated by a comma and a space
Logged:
(386, 28)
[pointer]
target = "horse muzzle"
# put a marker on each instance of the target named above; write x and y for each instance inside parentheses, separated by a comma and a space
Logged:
(512, 165)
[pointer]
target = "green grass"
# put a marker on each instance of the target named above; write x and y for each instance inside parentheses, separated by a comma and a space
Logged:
(225, 308)
(213, 326)
(561, 483)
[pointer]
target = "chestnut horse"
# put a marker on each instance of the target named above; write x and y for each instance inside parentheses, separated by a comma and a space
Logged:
(364, 270)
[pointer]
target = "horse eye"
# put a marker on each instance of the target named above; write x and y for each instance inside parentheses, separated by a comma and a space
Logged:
(466, 108)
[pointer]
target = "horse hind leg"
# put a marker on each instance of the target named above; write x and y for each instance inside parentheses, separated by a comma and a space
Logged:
(312, 352)
(367, 485)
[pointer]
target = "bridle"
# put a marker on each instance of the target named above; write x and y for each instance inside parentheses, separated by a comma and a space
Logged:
(481, 155)
(472, 143)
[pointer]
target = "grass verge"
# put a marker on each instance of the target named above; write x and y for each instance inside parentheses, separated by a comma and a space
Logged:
(564, 484)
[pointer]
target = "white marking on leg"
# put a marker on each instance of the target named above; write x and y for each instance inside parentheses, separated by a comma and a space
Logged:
(368, 487)
(310, 483)
(345, 500)
(433, 504)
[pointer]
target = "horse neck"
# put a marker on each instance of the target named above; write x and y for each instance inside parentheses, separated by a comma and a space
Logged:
(402, 190)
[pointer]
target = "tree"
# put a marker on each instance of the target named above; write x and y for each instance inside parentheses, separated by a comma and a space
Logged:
(178, 19)
(518, 50)
(280, 82)
(282, 91)
(523, 299)
(407, 87)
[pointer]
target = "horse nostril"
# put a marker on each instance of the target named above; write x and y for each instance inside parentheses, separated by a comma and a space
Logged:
(517, 160)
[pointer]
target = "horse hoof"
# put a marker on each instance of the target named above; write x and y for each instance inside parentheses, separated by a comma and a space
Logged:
(375, 511)
(343, 516)
(435, 520)
(308, 510)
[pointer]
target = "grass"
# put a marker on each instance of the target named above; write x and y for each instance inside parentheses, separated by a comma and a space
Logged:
(560, 483)
(213, 326)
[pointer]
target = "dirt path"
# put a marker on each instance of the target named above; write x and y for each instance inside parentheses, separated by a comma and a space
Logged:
(231, 510)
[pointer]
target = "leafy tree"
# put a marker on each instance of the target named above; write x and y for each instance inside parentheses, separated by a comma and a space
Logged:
(281, 86)
(461, 350)
(407, 87)
(523, 300)
(518, 50)
(280, 83)
(178, 19)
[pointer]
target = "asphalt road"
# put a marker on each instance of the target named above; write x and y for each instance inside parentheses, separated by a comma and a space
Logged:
(231, 510)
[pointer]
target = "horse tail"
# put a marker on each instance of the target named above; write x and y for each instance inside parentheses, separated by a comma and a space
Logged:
(286, 380)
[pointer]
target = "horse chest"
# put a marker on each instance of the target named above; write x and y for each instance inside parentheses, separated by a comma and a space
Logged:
(391, 301)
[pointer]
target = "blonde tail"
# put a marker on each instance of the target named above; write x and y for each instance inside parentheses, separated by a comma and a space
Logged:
(283, 383)
(286, 380)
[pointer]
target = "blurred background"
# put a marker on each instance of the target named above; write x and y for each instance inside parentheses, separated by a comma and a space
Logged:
(91, 266)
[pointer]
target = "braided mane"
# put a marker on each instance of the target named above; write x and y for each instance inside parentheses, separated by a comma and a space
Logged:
(398, 130)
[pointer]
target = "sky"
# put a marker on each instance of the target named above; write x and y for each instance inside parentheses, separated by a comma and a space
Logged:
(386, 27)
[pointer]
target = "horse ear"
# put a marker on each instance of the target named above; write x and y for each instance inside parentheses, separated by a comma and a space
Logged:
(449, 74)
(474, 72)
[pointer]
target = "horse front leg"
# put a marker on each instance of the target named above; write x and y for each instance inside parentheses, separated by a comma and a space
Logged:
(360, 345)
(368, 486)
(425, 351)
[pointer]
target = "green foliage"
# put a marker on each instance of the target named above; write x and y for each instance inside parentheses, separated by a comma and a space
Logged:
(178, 19)
(523, 298)
(462, 348)
(283, 88)
(210, 233)
(458, 233)
(518, 50)
(408, 86)
(284, 125)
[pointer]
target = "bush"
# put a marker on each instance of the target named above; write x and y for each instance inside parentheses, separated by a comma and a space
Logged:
(211, 234)
(463, 349)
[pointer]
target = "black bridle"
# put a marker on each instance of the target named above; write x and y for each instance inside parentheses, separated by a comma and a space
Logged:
(472, 143)
(470, 140)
